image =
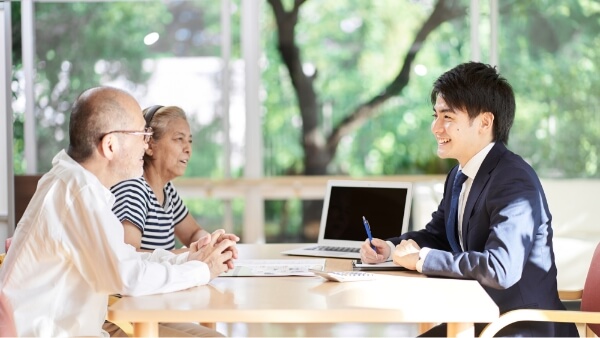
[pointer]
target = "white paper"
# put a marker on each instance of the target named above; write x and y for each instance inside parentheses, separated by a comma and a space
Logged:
(387, 265)
(274, 267)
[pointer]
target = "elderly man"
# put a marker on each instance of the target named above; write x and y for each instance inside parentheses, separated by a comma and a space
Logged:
(68, 252)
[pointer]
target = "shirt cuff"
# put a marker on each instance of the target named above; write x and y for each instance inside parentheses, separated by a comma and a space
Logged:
(392, 248)
(422, 254)
(201, 272)
(182, 257)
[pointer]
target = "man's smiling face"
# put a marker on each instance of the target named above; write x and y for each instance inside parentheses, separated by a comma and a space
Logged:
(456, 134)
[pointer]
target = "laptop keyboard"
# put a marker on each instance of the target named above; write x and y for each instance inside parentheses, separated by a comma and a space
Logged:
(334, 248)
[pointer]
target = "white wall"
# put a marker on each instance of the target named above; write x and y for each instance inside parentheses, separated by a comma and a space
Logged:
(6, 134)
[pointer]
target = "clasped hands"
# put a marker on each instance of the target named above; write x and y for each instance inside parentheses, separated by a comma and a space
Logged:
(406, 253)
(217, 250)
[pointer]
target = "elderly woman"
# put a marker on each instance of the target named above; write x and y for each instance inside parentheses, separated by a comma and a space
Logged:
(149, 207)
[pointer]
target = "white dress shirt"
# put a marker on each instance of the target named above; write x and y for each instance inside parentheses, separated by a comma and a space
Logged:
(470, 170)
(68, 254)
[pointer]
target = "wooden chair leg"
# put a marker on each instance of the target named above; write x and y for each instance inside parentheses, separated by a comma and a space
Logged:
(424, 327)
(212, 326)
(589, 332)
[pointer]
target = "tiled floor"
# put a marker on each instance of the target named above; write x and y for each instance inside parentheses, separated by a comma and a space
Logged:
(326, 330)
(335, 330)
(318, 330)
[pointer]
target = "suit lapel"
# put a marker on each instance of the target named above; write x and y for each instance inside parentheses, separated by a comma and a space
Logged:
(481, 179)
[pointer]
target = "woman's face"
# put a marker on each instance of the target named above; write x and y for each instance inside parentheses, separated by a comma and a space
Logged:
(171, 153)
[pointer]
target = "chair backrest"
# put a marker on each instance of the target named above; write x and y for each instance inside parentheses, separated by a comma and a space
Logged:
(590, 299)
(25, 186)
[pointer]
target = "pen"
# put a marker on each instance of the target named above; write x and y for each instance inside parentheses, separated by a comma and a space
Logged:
(368, 228)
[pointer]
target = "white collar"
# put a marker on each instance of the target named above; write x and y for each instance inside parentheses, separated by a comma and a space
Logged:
(472, 167)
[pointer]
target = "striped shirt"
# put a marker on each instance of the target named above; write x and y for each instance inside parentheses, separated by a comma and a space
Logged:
(137, 203)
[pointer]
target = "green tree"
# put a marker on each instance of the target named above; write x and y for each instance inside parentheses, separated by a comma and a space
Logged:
(85, 44)
(319, 145)
(549, 52)
(78, 46)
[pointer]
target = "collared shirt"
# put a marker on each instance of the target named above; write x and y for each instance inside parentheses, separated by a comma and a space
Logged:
(68, 254)
(470, 170)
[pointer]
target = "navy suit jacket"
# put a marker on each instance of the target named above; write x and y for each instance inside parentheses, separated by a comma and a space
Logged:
(507, 241)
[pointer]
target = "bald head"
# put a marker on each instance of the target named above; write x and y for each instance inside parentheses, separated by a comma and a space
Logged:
(96, 112)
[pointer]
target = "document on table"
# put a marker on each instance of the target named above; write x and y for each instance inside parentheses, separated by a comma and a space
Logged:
(274, 267)
(387, 265)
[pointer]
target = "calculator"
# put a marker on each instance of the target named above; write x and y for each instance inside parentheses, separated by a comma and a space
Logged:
(344, 276)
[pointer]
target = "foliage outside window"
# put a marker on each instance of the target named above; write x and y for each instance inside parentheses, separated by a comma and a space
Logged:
(351, 49)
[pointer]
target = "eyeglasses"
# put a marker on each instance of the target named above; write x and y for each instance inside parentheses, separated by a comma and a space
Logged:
(147, 133)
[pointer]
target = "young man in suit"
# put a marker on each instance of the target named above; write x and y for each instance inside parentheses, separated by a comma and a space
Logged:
(493, 225)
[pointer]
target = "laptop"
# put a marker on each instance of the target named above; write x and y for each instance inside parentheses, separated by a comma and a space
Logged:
(385, 204)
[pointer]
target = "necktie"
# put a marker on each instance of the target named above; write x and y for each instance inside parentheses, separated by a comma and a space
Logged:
(451, 227)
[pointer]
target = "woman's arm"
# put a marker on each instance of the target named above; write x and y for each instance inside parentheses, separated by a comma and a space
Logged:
(189, 231)
(133, 235)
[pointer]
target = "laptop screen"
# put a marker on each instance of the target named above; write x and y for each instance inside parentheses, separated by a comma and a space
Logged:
(385, 208)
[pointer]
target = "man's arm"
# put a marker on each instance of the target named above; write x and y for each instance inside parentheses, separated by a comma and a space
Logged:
(114, 267)
(434, 234)
(502, 231)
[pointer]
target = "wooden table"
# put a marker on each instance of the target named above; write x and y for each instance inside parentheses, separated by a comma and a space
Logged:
(391, 298)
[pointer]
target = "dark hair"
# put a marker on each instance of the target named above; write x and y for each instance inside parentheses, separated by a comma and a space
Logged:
(478, 88)
(94, 112)
(149, 114)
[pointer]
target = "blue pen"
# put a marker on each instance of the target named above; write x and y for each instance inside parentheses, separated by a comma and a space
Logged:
(368, 228)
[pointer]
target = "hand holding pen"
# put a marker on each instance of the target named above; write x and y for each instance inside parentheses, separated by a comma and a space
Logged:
(368, 229)
(373, 250)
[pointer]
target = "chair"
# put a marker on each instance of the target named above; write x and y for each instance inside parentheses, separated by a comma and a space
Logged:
(589, 313)
(6, 245)
(25, 186)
